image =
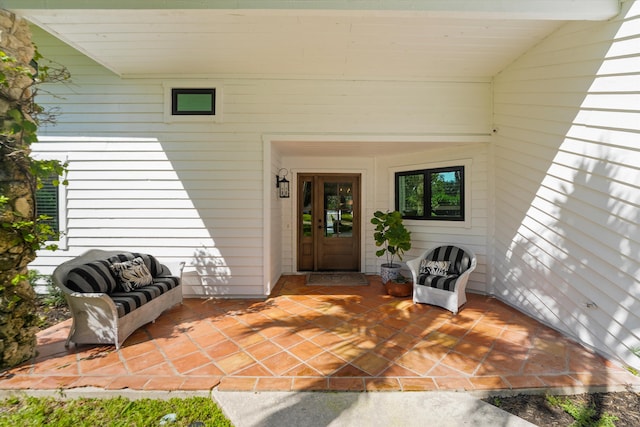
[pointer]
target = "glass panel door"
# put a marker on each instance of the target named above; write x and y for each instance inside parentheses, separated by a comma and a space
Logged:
(306, 229)
(338, 209)
(328, 222)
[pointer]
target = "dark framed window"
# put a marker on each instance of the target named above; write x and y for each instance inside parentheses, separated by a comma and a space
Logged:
(48, 203)
(193, 102)
(431, 194)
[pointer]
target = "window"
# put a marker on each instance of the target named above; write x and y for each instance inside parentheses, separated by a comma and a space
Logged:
(431, 194)
(51, 202)
(193, 102)
(48, 203)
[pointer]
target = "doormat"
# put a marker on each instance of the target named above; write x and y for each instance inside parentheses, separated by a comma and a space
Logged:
(337, 279)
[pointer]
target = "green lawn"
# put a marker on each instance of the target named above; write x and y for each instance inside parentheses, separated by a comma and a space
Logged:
(118, 411)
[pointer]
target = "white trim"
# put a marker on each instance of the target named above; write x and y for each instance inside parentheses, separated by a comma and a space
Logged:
(370, 138)
(167, 85)
(448, 163)
(266, 219)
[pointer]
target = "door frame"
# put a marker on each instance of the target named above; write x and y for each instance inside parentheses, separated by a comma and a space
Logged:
(294, 209)
(317, 241)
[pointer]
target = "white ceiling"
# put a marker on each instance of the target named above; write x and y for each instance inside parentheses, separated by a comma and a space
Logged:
(471, 40)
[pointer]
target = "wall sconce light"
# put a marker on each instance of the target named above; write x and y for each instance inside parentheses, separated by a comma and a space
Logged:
(282, 184)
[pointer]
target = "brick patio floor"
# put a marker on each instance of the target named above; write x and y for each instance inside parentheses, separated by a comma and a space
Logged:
(353, 338)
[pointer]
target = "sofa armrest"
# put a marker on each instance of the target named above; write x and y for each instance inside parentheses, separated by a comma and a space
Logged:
(173, 268)
(79, 301)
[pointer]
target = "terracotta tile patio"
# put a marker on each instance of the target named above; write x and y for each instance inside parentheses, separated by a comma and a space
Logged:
(353, 338)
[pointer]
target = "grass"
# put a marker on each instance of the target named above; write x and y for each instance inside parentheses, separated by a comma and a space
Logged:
(584, 415)
(118, 411)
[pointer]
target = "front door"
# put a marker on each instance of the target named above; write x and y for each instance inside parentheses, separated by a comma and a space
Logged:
(329, 222)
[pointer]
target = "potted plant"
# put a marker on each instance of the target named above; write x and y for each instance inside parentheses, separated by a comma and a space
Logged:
(393, 238)
(399, 286)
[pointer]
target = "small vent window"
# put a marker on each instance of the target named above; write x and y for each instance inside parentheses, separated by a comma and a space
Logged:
(193, 102)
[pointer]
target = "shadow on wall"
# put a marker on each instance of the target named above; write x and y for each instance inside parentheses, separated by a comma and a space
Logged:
(208, 274)
(567, 236)
(557, 246)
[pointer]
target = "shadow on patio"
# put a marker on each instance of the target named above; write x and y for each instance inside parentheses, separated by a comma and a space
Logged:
(348, 338)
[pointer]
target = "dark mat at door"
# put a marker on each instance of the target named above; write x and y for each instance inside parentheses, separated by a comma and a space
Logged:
(337, 279)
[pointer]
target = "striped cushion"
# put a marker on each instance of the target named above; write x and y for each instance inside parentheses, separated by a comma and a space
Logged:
(460, 260)
(446, 283)
(154, 266)
(95, 276)
(126, 302)
(170, 281)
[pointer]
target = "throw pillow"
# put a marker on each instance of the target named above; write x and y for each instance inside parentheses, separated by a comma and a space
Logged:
(132, 274)
(155, 268)
(435, 268)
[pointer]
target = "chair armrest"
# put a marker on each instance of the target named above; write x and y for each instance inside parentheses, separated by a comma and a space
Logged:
(414, 266)
(468, 271)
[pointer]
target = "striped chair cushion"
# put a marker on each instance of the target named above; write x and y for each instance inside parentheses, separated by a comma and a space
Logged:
(459, 260)
(95, 276)
(126, 302)
(446, 283)
(154, 266)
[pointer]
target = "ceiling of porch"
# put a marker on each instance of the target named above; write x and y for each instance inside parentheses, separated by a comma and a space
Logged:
(338, 39)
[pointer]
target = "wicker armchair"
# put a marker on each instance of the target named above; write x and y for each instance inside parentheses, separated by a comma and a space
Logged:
(440, 276)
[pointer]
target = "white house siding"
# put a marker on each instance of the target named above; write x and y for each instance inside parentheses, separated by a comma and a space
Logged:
(567, 183)
(197, 191)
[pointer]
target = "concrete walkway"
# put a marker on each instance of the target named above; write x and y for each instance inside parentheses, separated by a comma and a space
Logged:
(346, 409)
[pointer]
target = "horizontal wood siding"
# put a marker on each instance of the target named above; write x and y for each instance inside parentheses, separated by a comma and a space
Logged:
(567, 183)
(194, 191)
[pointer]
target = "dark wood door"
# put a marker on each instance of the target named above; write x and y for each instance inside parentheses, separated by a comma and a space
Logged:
(329, 222)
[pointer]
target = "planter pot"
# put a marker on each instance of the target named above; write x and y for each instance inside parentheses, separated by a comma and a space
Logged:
(389, 272)
(396, 289)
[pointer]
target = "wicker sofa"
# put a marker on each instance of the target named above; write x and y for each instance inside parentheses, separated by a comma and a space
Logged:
(105, 311)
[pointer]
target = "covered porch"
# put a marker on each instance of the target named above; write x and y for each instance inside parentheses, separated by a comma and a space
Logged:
(326, 338)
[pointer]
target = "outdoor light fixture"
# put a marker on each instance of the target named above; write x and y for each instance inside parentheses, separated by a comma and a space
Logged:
(282, 184)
